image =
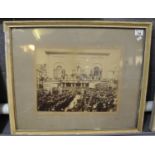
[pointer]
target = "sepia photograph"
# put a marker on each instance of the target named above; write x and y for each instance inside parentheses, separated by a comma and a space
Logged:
(78, 80)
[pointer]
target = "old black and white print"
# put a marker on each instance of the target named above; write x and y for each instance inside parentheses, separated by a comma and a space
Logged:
(78, 80)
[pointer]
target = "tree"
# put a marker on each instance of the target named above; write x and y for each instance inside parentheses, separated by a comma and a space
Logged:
(41, 75)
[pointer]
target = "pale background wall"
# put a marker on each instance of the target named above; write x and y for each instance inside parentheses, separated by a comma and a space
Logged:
(86, 62)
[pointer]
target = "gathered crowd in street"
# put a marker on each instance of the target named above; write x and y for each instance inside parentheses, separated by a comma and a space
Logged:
(98, 99)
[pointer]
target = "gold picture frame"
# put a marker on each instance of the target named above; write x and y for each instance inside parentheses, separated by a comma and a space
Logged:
(11, 25)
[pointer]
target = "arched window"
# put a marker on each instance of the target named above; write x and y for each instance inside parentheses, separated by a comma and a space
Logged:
(58, 72)
(97, 73)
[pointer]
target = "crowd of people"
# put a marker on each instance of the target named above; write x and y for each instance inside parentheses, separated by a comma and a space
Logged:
(99, 99)
(48, 101)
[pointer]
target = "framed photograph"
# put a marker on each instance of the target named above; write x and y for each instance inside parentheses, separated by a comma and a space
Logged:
(77, 76)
